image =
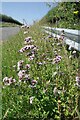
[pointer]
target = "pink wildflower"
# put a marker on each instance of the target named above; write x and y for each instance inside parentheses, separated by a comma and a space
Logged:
(20, 65)
(21, 74)
(57, 59)
(8, 81)
(27, 66)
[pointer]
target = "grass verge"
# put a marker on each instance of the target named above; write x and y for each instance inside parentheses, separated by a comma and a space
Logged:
(50, 91)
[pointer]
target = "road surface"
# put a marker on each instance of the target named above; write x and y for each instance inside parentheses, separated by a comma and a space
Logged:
(7, 32)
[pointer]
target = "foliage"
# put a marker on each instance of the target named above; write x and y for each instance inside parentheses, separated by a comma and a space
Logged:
(65, 14)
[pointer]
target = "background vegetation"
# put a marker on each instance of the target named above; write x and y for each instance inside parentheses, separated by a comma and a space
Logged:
(8, 19)
(65, 15)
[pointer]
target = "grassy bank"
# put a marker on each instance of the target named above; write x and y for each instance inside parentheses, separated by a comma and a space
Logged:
(48, 90)
(6, 24)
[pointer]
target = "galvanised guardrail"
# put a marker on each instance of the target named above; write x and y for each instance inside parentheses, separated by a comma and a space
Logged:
(71, 37)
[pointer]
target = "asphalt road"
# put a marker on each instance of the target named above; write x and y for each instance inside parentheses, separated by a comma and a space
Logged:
(7, 32)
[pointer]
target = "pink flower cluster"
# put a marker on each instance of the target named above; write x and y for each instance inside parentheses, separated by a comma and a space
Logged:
(27, 66)
(32, 57)
(27, 47)
(23, 76)
(23, 70)
(57, 59)
(20, 65)
(8, 81)
(28, 40)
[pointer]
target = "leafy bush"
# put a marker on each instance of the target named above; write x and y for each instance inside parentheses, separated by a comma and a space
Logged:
(66, 12)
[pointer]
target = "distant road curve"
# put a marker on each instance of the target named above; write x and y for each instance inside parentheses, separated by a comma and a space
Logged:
(7, 32)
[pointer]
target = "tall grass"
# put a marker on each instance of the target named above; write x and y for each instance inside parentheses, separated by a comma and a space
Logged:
(0, 79)
(54, 95)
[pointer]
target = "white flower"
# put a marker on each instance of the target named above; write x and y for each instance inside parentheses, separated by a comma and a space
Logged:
(14, 80)
(5, 79)
(55, 91)
(74, 52)
(31, 99)
(25, 32)
(39, 63)
(70, 57)
(69, 48)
